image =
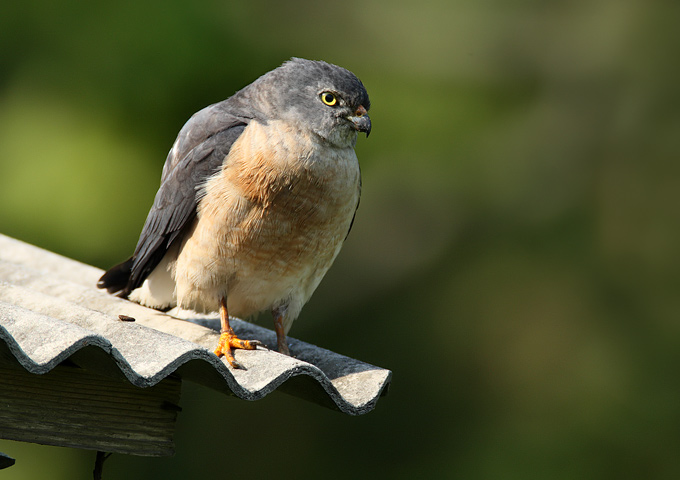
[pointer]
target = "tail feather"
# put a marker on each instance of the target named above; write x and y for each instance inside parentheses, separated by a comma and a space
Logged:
(117, 279)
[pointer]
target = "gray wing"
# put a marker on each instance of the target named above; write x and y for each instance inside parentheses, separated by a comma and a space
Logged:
(198, 153)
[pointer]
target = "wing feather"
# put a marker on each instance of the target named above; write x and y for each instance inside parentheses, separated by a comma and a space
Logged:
(198, 153)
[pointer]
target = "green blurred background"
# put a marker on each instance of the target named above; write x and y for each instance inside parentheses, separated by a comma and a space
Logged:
(515, 260)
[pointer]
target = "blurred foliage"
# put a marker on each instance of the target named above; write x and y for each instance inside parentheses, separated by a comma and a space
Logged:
(514, 260)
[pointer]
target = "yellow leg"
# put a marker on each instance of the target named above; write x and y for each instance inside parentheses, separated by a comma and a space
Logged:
(229, 340)
(280, 333)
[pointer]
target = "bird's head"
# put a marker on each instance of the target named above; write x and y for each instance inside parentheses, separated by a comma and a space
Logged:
(318, 96)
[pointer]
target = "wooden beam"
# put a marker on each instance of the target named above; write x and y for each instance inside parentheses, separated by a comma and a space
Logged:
(72, 407)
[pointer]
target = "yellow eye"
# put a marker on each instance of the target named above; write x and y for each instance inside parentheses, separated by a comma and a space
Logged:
(329, 99)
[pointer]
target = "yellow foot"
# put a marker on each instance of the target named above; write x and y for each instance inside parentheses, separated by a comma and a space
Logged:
(283, 347)
(229, 341)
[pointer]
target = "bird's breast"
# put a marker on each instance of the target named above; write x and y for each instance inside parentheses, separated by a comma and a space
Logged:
(273, 219)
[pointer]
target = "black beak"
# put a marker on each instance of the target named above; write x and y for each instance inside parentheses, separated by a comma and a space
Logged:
(361, 121)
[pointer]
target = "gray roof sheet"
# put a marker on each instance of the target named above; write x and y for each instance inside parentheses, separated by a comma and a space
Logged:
(50, 311)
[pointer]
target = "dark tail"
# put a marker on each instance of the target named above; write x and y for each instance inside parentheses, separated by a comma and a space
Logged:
(117, 279)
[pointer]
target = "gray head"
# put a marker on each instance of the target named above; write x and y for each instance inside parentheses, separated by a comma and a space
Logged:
(324, 98)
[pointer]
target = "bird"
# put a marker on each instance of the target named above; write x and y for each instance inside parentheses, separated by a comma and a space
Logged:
(257, 195)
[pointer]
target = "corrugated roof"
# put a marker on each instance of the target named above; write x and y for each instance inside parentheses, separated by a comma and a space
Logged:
(50, 310)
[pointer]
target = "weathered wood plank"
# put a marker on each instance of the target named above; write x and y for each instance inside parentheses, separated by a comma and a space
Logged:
(70, 406)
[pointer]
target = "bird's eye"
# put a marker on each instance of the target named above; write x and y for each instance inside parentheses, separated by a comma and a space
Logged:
(329, 99)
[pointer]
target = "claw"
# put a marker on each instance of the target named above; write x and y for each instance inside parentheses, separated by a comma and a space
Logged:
(229, 341)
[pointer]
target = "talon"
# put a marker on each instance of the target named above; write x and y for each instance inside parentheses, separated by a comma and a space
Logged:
(229, 341)
(283, 348)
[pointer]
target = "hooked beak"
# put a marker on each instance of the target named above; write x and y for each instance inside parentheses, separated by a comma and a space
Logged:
(361, 122)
